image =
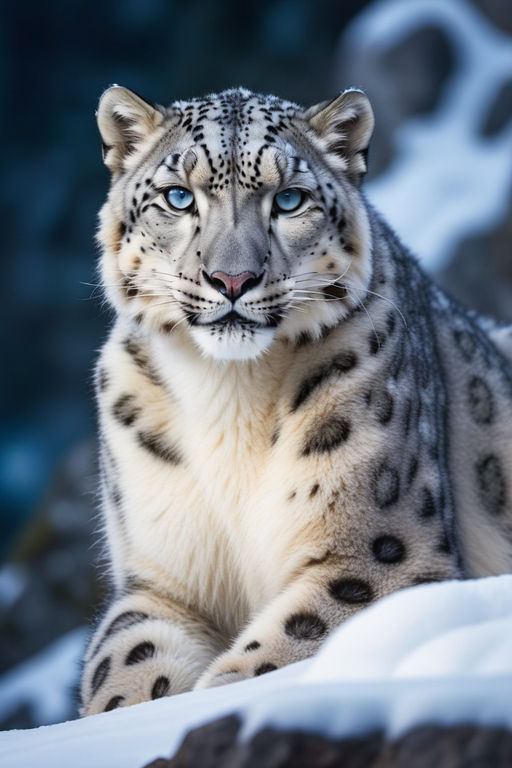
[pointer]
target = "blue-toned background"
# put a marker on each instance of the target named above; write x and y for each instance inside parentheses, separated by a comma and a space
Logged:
(439, 73)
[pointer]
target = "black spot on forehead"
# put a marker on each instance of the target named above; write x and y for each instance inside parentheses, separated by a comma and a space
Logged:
(236, 130)
(237, 109)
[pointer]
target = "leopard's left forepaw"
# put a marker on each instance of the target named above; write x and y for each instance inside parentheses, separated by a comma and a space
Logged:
(232, 668)
(214, 679)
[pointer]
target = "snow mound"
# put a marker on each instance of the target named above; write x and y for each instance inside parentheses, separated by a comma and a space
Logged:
(434, 630)
(432, 654)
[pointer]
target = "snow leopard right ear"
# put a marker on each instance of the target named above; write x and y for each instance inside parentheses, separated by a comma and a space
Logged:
(125, 120)
(345, 125)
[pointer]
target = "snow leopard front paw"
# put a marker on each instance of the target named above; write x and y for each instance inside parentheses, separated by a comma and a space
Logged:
(136, 656)
(234, 666)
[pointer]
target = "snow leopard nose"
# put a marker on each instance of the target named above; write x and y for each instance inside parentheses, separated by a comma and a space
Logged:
(233, 286)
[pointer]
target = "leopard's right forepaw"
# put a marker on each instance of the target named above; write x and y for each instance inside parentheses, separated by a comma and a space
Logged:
(112, 689)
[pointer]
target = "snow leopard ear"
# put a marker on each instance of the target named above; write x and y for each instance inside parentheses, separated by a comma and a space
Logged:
(345, 124)
(124, 119)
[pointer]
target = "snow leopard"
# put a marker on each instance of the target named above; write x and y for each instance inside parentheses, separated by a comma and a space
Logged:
(295, 421)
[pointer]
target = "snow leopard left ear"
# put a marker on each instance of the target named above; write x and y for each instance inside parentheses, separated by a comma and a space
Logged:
(345, 124)
(125, 119)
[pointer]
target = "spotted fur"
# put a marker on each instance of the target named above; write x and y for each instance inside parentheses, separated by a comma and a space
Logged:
(274, 461)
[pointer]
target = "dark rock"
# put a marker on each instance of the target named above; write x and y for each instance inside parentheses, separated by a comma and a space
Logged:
(456, 747)
(21, 717)
(425, 56)
(215, 745)
(206, 746)
(391, 77)
(480, 273)
(497, 12)
(500, 113)
(54, 563)
(406, 77)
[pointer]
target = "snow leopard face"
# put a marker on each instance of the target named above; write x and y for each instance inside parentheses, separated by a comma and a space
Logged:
(236, 217)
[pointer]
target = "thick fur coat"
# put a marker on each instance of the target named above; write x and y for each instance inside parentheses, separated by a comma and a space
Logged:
(294, 420)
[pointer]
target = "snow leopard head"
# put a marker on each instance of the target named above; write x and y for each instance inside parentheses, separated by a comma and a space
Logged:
(235, 218)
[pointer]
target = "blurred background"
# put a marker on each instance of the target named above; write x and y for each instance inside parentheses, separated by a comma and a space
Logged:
(439, 74)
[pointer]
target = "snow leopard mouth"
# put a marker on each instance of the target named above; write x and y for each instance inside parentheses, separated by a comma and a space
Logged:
(233, 336)
(233, 320)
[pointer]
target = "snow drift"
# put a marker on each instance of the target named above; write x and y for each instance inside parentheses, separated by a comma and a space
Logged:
(437, 653)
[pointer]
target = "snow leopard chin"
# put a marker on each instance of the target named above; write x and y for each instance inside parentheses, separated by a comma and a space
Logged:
(235, 343)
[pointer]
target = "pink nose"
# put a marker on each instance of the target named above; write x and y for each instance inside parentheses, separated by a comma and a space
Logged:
(234, 286)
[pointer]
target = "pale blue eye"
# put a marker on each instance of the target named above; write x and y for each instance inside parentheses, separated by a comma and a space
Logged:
(288, 199)
(180, 198)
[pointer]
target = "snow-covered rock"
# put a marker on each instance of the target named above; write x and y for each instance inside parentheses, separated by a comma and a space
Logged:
(438, 653)
(439, 75)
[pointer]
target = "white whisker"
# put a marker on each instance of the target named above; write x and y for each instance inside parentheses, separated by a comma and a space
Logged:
(395, 306)
(370, 319)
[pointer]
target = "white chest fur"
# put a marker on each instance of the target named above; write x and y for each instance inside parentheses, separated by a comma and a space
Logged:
(211, 528)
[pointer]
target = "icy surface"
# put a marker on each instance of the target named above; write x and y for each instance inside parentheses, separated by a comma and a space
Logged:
(436, 653)
(447, 180)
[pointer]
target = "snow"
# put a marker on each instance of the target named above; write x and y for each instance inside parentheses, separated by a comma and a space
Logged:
(436, 653)
(447, 181)
(423, 635)
(433, 653)
(45, 681)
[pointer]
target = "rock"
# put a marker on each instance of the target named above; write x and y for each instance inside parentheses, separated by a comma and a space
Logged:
(480, 272)
(499, 115)
(215, 745)
(406, 74)
(206, 746)
(402, 81)
(497, 12)
(53, 566)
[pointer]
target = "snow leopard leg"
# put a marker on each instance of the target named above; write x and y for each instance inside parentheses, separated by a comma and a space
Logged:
(296, 622)
(144, 648)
